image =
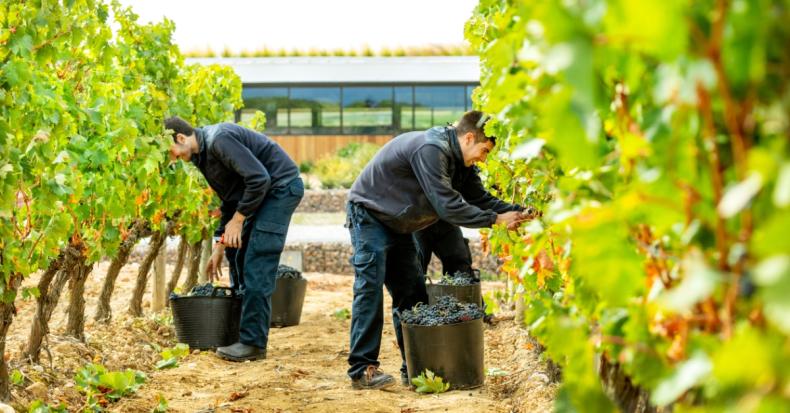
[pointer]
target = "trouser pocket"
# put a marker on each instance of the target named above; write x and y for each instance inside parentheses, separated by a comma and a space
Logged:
(366, 277)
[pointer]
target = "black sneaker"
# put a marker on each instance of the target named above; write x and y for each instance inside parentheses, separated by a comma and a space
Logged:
(372, 379)
(404, 379)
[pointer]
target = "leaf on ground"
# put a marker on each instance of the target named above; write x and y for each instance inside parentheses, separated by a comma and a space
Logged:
(428, 382)
(237, 395)
(167, 363)
(298, 374)
(496, 372)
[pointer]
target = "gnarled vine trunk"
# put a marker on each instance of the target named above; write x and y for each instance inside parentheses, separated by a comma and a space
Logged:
(75, 326)
(50, 286)
(136, 303)
(7, 311)
(205, 256)
(628, 397)
(103, 310)
(194, 266)
(183, 247)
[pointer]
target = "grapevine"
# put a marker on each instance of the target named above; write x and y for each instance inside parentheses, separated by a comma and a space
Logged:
(84, 88)
(653, 135)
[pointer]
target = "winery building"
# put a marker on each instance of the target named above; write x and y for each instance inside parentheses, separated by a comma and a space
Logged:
(316, 105)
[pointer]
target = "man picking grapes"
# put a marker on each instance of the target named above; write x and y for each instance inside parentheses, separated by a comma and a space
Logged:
(260, 188)
(413, 181)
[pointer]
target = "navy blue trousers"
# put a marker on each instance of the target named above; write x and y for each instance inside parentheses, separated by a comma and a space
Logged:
(253, 267)
(381, 258)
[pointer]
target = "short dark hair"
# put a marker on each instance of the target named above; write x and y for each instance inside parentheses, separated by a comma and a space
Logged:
(178, 125)
(474, 121)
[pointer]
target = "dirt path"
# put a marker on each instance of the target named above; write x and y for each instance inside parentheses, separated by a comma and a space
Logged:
(306, 364)
(305, 370)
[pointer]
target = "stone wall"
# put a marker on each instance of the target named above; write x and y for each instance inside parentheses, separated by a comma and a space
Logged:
(329, 257)
(334, 258)
(323, 200)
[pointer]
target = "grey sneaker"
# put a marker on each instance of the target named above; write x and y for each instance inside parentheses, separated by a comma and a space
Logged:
(404, 379)
(241, 352)
(373, 379)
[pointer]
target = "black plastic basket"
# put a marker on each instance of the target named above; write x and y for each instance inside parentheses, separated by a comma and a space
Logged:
(207, 322)
(464, 293)
(453, 351)
(287, 302)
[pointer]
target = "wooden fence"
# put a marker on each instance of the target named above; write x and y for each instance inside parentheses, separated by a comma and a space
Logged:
(312, 147)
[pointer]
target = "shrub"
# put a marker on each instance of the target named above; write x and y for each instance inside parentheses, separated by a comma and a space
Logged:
(341, 169)
(306, 166)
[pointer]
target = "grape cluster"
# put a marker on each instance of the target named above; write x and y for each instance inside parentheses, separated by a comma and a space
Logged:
(446, 310)
(284, 271)
(202, 290)
(531, 212)
(459, 278)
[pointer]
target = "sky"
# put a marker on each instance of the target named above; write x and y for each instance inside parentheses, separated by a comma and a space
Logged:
(305, 24)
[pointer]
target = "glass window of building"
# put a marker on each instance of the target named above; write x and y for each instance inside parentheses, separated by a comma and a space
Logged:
(273, 101)
(356, 110)
(367, 110)
(315, 110)
(438, 105)
(403, 111)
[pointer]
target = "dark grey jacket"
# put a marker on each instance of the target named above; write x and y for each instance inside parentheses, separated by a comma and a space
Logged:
(420, 177)
(241, 165)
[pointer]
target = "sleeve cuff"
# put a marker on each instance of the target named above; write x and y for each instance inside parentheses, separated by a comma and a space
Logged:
(246, 211)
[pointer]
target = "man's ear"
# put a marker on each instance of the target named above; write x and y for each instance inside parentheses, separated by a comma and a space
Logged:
(469, 138)
(181, 138)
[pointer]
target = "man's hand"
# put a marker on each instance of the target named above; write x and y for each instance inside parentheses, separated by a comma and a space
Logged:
(232, 236)
(214, 267)
(511, 218)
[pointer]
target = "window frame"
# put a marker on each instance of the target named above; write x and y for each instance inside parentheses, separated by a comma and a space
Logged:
(391, 130)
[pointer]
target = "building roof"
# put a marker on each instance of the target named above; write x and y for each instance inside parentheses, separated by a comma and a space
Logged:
(422, 69)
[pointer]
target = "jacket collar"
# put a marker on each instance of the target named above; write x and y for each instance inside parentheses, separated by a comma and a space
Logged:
(200, 157)
(455, 146)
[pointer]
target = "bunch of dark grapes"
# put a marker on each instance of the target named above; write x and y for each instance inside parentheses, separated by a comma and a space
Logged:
(202, 290)
(531, 212)
(459, 278)
(284, 271)
(446, 310)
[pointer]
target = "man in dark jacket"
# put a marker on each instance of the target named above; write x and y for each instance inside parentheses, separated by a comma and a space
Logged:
(407, 186)
(260, 188)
